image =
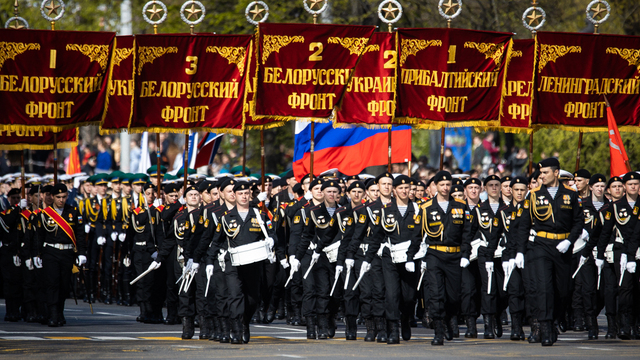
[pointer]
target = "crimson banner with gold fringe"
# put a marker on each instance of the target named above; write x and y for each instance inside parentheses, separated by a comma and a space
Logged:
(370, 96)
(120, 107)
(33, 139)
(54, 80)
(304, 69)
(450, 77)
(574, 73)
(515, 115)
(190, 83)
(249, 105)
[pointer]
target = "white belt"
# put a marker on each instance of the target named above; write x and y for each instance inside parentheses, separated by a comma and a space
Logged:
(332, 251)
(398, 251)
(60, 246)
(141, 243)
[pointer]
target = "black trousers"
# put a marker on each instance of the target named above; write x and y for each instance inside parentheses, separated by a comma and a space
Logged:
(172, 287)
(609, 282)
(628, 288)
(469, 291)
(529, 283)
(268, 280)
(400, 289)
(552, 276)
(351, 297)
(575, 287)
(243, 286)
(186, 297)
(371, 289)
(444, 274)
(296, 289)
(588, 277)
(494, 301)
(11, 278)
(29, 283)
(316, 287)
(205, 306)
(141, 261)
(516, 292)
(57, 265)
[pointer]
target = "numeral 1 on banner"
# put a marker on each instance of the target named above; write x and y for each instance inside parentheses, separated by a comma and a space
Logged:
(317, 55)
(193, 65)
(52, 58)
(391, 63)
(452, 54)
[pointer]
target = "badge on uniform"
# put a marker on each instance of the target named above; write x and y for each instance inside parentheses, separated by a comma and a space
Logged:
(607, 216)
(218, 227)
(206, 223)
(495, 221)
(296, 220)
(635, 210)
(349, 221)
(201, 221)
(362, 218)
(526, 204)
(331, 222)
(566, 199)
(306, 221)
(520, 212)
(269, 225)
(416, 219)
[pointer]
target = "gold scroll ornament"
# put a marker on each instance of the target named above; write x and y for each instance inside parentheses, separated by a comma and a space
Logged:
(550, 53)
(354, 45)
(233, 54)
(149, 53)
(489, 50)
(412, 46)
(98, 53)
(9, 50)
(273, 43)
(121, 54)
(631, 55)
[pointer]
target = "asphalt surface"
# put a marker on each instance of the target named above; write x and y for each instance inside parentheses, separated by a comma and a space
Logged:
(111, 332)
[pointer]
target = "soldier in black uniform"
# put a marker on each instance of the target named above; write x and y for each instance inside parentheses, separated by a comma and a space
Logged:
(29, 219)
(10, 255)
(554, 212)
(447, 225)
(119, 212)
(471, 282)
(57, 239)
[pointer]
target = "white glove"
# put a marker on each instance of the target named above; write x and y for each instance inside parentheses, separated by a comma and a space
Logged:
(28, 264)
(195, 267)
(631, 267)
(365, 267)
(114, 236)
(122, 237)
(339, 269)
(82, 260)
(564, 246)
(270, 242)
(464, 262)
(532, 235)
(16, 261)
(423, 266)
(308, 195)
(101, 240)
(623, 262)
(599, 264)
(262, 196)
(126, 262)
(23, 203)
(520, 260)
(505, 267)
(154, 255)
(272, 257)
(189, 265)
(154, 265)
(410, 266)
(284, 263)
(295, 263)
(349, 263)
(209, 270)
(315, 256)
(489, 266)
(512, 264)
(585, 235)
(37, 262)
(87, 228)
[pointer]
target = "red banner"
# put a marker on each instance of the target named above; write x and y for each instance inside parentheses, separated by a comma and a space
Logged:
(370, 96)
(575, 71)
(190, 82)
(120, 105)
(304, 69)
(450, 77)
(34, 139)
(250, 123)
(54, 80)
(515, 115)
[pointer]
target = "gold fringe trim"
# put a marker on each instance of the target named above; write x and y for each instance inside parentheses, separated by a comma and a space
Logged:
(337, 125)
(236, 132)
(503, 93)
(291, 118)
(505, 129)
(60, 145)
(112, 57)
(418, 123)
(591, 129)
(272, 125)
(104, 131)
(49, 128)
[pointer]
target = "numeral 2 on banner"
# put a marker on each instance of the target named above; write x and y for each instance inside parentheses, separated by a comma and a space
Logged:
(391, 63)
(316, 56)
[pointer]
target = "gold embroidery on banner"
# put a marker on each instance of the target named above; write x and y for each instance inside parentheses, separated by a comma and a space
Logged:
(98, 53)
(235, 55)
(121, 54)
(273, 43)
(370, 48)
(631, 55)
(146, 54)
(412, 46)
(516, 53)
(9, 50)
(354, 45)
(489, 50)
(550, 53)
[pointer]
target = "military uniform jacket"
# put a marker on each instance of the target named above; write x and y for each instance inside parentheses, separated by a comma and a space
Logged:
(508, 234)
(346, 224)
(592, 223)
(394, 228)
(488, 229)
(142, 228)
(450, 228)
(320, 230)
(119, 210)
(194, 234)
(210, 219)
(176, 234)
(357, 245)
(30, 248)
(299, 219)
(97, 214)
(366, 233)
(11, 229)
(167, 213)
(562, 214)
(619, 224)
(49, 232)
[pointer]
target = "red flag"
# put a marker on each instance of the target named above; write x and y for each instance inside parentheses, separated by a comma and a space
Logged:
(73, 167)
(619, 159)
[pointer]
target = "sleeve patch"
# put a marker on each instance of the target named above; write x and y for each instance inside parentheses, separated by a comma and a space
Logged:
(296, 219)
(362, 218)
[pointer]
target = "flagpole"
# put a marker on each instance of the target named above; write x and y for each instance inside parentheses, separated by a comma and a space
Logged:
(578, 151)
(442, 148)
(55, 157)
(389, 137)
(185, 161)
(158, 178)
(22, 172)
(244, 153)
(262, 158)
(531, 153)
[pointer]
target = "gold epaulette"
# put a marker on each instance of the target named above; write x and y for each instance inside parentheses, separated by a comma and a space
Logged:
(461, 201)
(570, 188)
(426, 204)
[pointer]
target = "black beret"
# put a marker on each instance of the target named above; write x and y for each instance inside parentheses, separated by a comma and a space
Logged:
(34, 190)
(16, 191)
(315, 182)
(148, 186)
(287, 175)
(330, 183)
(384, 175)
(583, 173)
(596, 178)
(507, 178)
(297, 188)
(457, 181)
(356, 185)
(226, 182)
(442, 176)
(630, 176)
(369, 183)
(457, 188)
(472, 181)
(191, 188)
(614, 179)
(278, 182)
(491, 178)
(58, 189)
(420, 183)
(401, 180)
(429, 182)
(352, 177)
(268, 179)
(519, 180)
(241, 185)
(305, 177)
(204, 186)
(170, 188)
(47, 189)
(548, 163)
(534, 176)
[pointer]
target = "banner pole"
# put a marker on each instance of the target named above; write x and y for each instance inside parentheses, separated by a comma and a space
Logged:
(441, 148)
(262, 157)
(578, 152)
(389, 162)
(244, 153)
(22, 173)
(531, 153)
(185, 165)
(313, 136)
(158, 163)
(55, 157)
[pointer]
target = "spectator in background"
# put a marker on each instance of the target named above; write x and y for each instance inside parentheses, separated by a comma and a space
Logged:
(103, 160)
(517, 161)
(479, 152)
(134, 156)
(450, 159)
(493, 150)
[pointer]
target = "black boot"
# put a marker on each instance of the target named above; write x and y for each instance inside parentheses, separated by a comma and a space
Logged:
(332, 326)
(394, 336)
(427, 323)
(281, 310)
(371, 330)
(323, 326)
(246, 333)
(297, 319)
(187, 327)
(545, 333)
(143, 312)
(381, 328)
(562, 324)
(256, 319)
(497, 327)
(438, 338)
(579, 322)
(224, 330)
(236, 331)
(196, 322)
(448, 329)
(611, 327)
(351, 331)
(405, 326)
(472, 328)
(504, 318)
(453, 324)
(206, 325)
(311, 328)
(516, 327)
(53, 316)
(271, 314)
(625, 327)
(488, 326)
(215, 331)
(31, 312)
(592, 325)
(534, 337)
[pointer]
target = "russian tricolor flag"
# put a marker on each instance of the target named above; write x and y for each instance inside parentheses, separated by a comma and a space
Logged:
(202, 153)
(350, 150)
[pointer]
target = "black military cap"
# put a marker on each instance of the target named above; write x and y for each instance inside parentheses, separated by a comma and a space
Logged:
(583, 173)
(268, 179)
(352, 177)
(330, 184)
(34, 190)
(191, 188)
(16, 191)
(58, 189)
(305, 177)
(596, 178)
(369, 183)
(148, 186)
(614, 179)
(241, 185)
(429, 182)
(534, 176)
(519, 180)
(356, 185)
(549, 162)
(505, 179)
(491, 178)
(457, 188)
(226, 182)
(401, 180)
(170, 188)
(278, 182)
(442, 176)
(297, 189)
(420, 183)
(47, 189)
(457, 181)
(630, 176)
(472, 181)
(315, 182)
(384, 175)
(204, 186)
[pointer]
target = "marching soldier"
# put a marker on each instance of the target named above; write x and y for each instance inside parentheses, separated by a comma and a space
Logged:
(97, 216)
(30, 254)
(10, 254)
(469, 294)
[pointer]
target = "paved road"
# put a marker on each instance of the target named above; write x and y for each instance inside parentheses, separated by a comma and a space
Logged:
(112, 332)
